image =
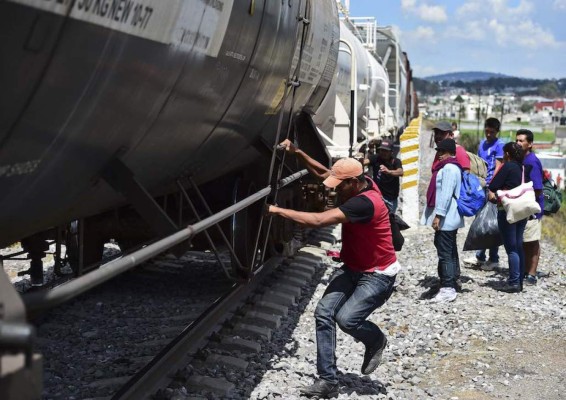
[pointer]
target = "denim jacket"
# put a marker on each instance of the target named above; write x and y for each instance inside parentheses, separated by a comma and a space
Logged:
(448, 182)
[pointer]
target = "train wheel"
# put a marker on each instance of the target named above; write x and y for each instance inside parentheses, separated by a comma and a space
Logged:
(244, 226)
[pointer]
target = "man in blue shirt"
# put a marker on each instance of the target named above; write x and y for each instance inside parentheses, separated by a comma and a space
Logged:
(491, 150)
(532, 234)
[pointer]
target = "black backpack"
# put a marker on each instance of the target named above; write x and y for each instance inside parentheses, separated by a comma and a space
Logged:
(552, 197)
(397, 225)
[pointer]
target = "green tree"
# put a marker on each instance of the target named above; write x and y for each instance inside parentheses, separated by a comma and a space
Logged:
(527, 106)
(549, 90)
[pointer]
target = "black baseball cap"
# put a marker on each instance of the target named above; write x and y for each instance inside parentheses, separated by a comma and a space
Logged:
(448, 145)
(386, 145)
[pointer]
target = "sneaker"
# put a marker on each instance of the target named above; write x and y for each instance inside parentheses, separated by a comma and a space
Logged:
(543, 274)
(458, 285)
(507, 288)
(321, 389)
(530, 280)
(490, 266)
(372, 356)
(473, 262)
(445, 295)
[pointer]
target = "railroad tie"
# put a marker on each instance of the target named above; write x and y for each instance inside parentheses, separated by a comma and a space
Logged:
(221, 360)
(239, 344)
(216, 385)
(269, 320)
(242, 329)
(271, 308)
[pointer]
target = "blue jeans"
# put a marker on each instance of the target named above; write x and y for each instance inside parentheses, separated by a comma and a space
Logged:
(512, 235)
(391, 204)
(448, 261)
(493, 256)
(348, 300)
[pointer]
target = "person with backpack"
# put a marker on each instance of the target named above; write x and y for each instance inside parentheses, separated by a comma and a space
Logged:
(443, 130)
(552, 195)
(491, 150)
(366, 279)
(533, 229)
(442, 214)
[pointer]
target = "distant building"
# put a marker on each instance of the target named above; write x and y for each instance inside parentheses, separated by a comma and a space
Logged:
(550, 105)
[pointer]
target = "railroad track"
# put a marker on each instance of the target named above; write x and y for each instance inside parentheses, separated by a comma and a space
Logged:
(104, 343)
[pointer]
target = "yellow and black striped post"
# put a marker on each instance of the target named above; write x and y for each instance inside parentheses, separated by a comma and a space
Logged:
(409, 155)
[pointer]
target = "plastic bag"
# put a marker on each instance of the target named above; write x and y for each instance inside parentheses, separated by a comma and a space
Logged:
(484, 232)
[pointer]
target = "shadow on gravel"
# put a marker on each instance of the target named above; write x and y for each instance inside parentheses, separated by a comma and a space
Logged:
(496, 278)
(432, 283)
(360, 385)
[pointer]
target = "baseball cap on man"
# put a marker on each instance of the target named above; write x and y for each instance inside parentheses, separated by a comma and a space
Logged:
(343, 169)
(444, 126)
(386, 145)
(448, 145)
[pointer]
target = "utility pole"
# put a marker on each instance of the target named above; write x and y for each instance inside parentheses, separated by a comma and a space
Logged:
(502, 110)
(479, 115)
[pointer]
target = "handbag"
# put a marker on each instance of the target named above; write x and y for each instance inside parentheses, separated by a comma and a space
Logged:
(519, 202)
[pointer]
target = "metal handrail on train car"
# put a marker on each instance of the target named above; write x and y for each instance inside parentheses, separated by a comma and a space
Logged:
(42, 300)
(291, 178)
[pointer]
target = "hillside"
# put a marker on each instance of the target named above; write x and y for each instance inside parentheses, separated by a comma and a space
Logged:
(468, 76)
(488, 82)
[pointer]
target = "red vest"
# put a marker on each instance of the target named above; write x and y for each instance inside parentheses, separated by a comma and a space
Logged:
(367, 247)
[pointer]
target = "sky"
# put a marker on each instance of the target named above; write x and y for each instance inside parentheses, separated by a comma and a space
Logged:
(523, 38)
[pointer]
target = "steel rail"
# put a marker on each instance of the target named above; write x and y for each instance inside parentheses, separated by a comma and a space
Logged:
(38, 301)
(156, 374)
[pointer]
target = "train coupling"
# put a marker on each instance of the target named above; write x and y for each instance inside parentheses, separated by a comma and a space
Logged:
(17, 338)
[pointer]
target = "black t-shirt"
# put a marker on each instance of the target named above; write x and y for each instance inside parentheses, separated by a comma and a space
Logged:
(509, 176)
(387, 184)
(358, 209)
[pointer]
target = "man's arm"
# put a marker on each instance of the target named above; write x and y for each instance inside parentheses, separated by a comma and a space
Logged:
(313, 166)
(498, 154)
(310, 219)
(398, 171)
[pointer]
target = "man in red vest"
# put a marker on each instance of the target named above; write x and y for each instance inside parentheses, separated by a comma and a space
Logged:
(365, 280)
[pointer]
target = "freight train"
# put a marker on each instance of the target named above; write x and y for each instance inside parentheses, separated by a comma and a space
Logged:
(133, 119)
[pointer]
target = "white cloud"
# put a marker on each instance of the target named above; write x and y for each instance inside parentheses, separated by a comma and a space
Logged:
(408, 5)
(425, 70)
(435, 14)
(505, 25)
(425, 11)
(424, 33)
(523, 34)
(499, 8)
(469, 30)
(559, 4)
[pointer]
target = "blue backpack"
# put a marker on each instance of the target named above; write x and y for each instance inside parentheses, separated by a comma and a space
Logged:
(472, 195)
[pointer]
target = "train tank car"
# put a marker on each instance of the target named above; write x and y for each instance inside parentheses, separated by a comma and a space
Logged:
(107, 104)
(398, 69)
(95, 93)
(375, 118)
